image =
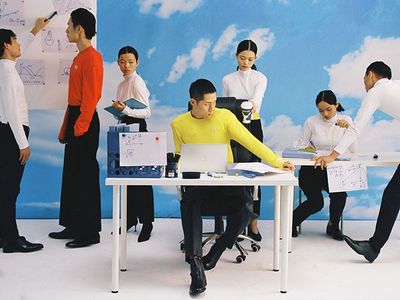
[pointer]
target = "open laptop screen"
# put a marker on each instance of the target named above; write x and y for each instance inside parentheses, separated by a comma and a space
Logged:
(203, 157)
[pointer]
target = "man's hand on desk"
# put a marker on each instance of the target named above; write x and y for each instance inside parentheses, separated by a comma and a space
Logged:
(323, 161)
(288, 166)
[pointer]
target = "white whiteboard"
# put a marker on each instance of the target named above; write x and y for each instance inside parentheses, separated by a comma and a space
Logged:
(44, 66)
(143, 149)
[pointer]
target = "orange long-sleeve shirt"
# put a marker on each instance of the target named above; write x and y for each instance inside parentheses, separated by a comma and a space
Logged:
(85, 85)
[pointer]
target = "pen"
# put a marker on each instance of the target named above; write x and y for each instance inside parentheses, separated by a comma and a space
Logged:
(312, 144)
(51, 16)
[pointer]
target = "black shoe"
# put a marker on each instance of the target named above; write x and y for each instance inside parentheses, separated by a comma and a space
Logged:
(21, 245)
(65, 234)
(145, 232)
(212, 257)
(199, 283)
(334, 232)
(83, 242)
(255, 236)
(295, 233)
(362, 248)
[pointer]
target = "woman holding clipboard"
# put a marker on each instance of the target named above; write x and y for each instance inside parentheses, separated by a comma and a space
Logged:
(140, 199)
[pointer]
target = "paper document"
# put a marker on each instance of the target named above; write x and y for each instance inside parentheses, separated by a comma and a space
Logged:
(256, 167)
(132, 103)
(346, 177)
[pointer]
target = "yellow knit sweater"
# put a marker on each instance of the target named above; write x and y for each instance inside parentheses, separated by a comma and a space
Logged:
(222, 127)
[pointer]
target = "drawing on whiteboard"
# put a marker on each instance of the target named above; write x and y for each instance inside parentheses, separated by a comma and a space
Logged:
(347, 176)
(31, 71)
(54, 39)
(66, 6)
(64, 66)
(12, 13)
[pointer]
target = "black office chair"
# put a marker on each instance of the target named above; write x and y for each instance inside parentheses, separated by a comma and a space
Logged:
(240, 154)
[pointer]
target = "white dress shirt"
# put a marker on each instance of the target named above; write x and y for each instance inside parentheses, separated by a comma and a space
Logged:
(134, 86)
(13, 104)
(384, 95)
(250, 85)
(324, 134)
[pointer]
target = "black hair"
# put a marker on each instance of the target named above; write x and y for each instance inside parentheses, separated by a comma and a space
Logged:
(247, 45)
(329, 97)
(128, 49)
(5, 38)
(380, 69)
(199, 88)
(86, 19)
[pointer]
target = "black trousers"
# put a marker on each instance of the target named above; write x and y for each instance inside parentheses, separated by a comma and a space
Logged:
(11, 172)
(80, 208)
(388, 212)
(140, 199)
(233, 202)
(312, 182)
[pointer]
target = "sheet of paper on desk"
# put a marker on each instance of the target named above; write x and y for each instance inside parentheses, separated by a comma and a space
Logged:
(143, 148)
(257, 167)
(346, 177)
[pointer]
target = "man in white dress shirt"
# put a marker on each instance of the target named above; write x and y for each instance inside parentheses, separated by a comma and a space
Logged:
(383, 94)
(14, 130)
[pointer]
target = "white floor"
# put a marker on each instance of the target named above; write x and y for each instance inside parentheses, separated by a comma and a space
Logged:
(319, 267)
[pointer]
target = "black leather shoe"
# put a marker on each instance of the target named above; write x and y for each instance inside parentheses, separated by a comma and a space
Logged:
(255, 236)
(65, 234)
(212, 257)
(334, 232)
(362, 248)
(83, 242)
(145, 232)
(199, 283)
(21, 245)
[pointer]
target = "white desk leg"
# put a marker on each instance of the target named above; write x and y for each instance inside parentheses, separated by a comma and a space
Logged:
(123, 264)
(285, 237)
(291, 196)
(277, 226)
(115, 250)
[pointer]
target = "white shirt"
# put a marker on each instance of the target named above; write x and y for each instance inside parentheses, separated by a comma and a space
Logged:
(134, 86)
(384, 95)
(13, 104)
(250, 85)
(323, 133)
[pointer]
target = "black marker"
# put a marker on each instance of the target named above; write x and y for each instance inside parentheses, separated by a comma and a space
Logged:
(51, 16)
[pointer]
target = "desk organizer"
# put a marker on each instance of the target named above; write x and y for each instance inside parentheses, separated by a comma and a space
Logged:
(113, 167)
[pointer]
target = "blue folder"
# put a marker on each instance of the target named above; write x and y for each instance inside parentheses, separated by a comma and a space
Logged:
(132, 103)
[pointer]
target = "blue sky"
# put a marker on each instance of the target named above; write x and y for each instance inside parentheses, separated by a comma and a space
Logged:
(304, 46)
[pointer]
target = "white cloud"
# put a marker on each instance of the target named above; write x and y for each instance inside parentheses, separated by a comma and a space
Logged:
(194, 60)
(225, 41)
(381, 136)
(383, 173)
(165, 8)
(281, 133)
(284, 2)
(264, 38)
(150, 52)
(346, 76)
(363, 207)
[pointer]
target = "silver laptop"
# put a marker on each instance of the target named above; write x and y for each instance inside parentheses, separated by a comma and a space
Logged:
(203, 158)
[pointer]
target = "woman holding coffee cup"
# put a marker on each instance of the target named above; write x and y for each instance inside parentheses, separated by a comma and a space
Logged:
(248, 83)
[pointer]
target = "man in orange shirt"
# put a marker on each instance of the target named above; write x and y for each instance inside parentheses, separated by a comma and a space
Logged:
(80, 212)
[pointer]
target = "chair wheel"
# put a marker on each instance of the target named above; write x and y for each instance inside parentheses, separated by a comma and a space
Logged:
(240, 258)
(255, 247)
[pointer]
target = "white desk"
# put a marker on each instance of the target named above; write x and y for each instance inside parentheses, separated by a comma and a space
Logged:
(283, 183)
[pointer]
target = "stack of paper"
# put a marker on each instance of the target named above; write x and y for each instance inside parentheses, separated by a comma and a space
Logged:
(297, 153)
(255, 168)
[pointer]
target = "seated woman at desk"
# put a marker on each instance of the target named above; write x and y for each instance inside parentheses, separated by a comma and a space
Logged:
(321, 132)
(140, 202)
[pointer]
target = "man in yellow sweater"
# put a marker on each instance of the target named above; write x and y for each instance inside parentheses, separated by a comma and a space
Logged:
(205, 124)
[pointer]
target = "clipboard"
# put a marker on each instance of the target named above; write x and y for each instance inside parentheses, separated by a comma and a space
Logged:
(131, 103)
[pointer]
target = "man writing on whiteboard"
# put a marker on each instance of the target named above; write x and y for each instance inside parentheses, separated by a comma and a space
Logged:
(80, 191)
(14, 131)
(383, 94)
